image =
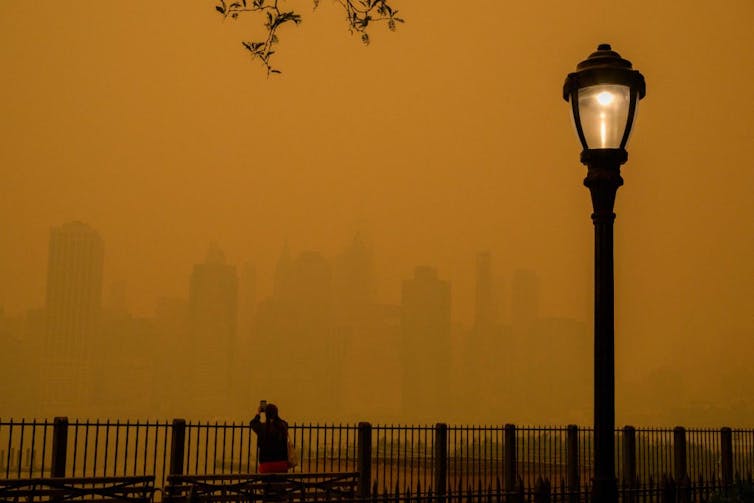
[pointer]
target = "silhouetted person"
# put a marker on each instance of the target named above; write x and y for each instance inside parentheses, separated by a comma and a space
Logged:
(272, 439)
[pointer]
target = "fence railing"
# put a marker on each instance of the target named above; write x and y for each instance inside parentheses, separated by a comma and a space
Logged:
(391, 459)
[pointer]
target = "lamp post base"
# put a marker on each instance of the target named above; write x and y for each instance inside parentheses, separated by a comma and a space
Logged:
(605, 491)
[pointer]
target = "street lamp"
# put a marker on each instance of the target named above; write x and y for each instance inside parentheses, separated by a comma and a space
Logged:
(604, 92)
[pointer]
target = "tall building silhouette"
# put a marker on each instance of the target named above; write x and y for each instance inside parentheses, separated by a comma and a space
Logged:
(296, 352)
(368, 332)
(354, 283)
(72, 307)
(213, 304)
(425, 334)
(488, 351)
(524, 301)
(247, 300)
(485, 313)
(173, 356)
(282, 287)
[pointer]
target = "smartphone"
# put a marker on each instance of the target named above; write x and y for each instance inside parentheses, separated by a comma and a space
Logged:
(262, 404)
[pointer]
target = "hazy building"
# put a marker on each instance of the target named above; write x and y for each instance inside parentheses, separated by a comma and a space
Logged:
(354, 283)
(481, 386)
(213, 304)
(247, 300)
(558, 364)
(485, 312)
(172, 370)
(317, 346)
(14, 366)
(282, 287)
(371, 383)
(296, 352)
(73, 306)
(524, 302)
(124, 384)
(425, 335)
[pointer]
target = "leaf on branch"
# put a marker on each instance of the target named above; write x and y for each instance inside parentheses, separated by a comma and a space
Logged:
(254, 47)
(220, 9)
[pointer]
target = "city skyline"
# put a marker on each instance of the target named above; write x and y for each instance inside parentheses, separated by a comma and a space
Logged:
(115, 296)
(317, 306)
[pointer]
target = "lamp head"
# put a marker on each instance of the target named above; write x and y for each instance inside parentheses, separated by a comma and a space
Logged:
(604, 92)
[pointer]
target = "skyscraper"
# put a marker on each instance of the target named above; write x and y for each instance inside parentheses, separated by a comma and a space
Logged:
(354, 283)
(296, 352)
(485, 313)
(213, 305)
(524, 302)
(425, 332)
(73, 307)
(488, 350)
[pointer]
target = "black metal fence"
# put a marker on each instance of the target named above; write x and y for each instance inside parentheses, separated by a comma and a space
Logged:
(392, 459)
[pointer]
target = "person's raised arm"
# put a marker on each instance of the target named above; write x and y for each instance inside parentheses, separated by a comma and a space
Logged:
(256, 424)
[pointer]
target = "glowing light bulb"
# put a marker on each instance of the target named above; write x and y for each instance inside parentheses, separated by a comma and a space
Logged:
(605, 98)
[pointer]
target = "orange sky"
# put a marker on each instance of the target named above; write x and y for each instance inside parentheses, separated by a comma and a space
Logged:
(146, 120)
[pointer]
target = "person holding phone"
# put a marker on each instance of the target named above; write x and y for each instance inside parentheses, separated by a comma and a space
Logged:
(272, 439)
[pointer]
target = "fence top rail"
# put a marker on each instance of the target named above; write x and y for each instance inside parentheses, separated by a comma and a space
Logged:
(414, 427)
(87, 423)
(118, 423)
(243, 423)
(25, 422)
(546, 428)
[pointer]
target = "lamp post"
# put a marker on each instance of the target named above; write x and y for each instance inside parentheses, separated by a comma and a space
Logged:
(604, 92)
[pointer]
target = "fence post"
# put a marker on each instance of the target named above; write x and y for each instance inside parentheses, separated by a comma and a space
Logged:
(59, 446)
(177, 446)
(510, 459)
(629, 457)
(726, 453)
(364, 461)
(441, 459)
(679, 453)
(572, 462)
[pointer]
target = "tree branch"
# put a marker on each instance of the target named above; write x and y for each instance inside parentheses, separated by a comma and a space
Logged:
(359, 15)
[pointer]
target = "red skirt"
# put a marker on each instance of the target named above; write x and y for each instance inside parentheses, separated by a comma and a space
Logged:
(274, 467)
